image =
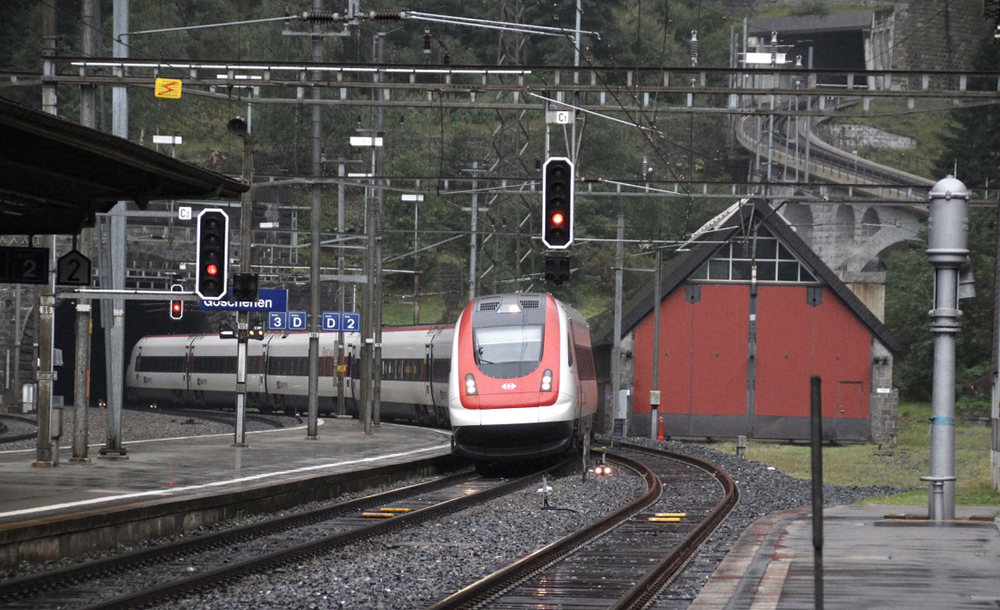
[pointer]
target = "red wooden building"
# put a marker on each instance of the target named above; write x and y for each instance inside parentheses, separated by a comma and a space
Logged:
(748, 315)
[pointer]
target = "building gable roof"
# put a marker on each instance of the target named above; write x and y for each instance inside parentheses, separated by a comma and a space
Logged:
(723, 228)
(55, 174)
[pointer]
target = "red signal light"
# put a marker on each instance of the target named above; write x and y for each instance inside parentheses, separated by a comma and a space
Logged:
(558, 219)
(212, 269)
(176, 310)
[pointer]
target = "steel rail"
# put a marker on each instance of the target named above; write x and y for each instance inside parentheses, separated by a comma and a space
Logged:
(314, 548)
(660, 576)
(482, 590)
(31, 584)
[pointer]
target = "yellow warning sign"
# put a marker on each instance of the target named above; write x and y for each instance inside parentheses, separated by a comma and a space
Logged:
(169, 88)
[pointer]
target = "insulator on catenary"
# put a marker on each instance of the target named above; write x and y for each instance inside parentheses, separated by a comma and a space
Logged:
(387, 15)
(323, 16)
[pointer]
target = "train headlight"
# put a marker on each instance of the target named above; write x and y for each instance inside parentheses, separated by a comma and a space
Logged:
(546, 381)
(470, 385)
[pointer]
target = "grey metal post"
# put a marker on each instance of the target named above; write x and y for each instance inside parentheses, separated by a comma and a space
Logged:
(81, 387)
(654, 393)
(115, 335)
(367, 317)
(947, 250)
(416, 263)
(341, 290)
(312, 427)
(616, 352)
(44, 454)
(243, 130)
(816, 445)
(18, 334)
(379, 206)
(995, 408)
(473, 229)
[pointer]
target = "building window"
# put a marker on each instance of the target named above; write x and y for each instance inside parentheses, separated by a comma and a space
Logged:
(775, 262)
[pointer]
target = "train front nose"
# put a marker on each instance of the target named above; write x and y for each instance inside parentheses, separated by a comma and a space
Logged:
(513, 441)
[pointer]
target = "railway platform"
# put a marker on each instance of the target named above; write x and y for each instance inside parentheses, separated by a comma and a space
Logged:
(873, 557)
(179, 484)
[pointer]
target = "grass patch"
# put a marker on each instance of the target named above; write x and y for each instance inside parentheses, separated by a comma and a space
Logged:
(902, 466)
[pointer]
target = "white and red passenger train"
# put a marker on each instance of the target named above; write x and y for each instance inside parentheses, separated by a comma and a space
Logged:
(515, 380)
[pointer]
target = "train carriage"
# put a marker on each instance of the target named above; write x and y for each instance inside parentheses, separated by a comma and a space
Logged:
(514, 378)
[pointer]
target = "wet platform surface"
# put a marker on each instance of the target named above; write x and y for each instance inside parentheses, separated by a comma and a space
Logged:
(195, 465)
(870, 561)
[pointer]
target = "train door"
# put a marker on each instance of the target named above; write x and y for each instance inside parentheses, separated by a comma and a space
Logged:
(428, 376)
(438, 367)
(187, 365)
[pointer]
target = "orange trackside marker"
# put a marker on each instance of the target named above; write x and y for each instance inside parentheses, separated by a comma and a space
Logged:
(378, 515)
(395, 510)
(671, 514)
(665, 519)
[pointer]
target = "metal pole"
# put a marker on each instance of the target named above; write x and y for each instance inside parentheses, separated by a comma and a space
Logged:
(995, 408)
(45, 455)
(18, 335)
(816, 417)
(81, 362)
(243, 316)
(618, 428)
(341, 291)
(416, 263)
(654, 394)
(947, 251)
(379, 204)
(312, 427)
(473, 228)
(368, 315)
(115, 335)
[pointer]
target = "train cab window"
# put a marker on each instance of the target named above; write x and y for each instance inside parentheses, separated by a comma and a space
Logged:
(499, 344)
(508, 351)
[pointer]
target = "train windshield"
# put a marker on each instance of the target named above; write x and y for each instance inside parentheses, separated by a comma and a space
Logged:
(508, 344)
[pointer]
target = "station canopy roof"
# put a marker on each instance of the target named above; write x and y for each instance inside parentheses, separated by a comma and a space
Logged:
(55, 175)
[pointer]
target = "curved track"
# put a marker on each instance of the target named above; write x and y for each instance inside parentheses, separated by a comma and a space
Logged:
(625, 559)
(786, 145)
(174, 570)
(15, 428)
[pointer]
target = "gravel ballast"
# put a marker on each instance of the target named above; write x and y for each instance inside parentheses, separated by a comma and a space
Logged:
(422, 565)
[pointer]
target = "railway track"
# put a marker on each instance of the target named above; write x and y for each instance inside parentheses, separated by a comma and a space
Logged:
(178, 569)
(626, 559)
(15, 428)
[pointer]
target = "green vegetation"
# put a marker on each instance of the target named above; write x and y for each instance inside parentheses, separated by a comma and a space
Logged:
(900, 466)
(928, 123)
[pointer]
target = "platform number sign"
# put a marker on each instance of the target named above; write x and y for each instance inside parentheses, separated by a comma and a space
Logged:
(336, 321)
(22, 265)
(277, 320)
(73, 269)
